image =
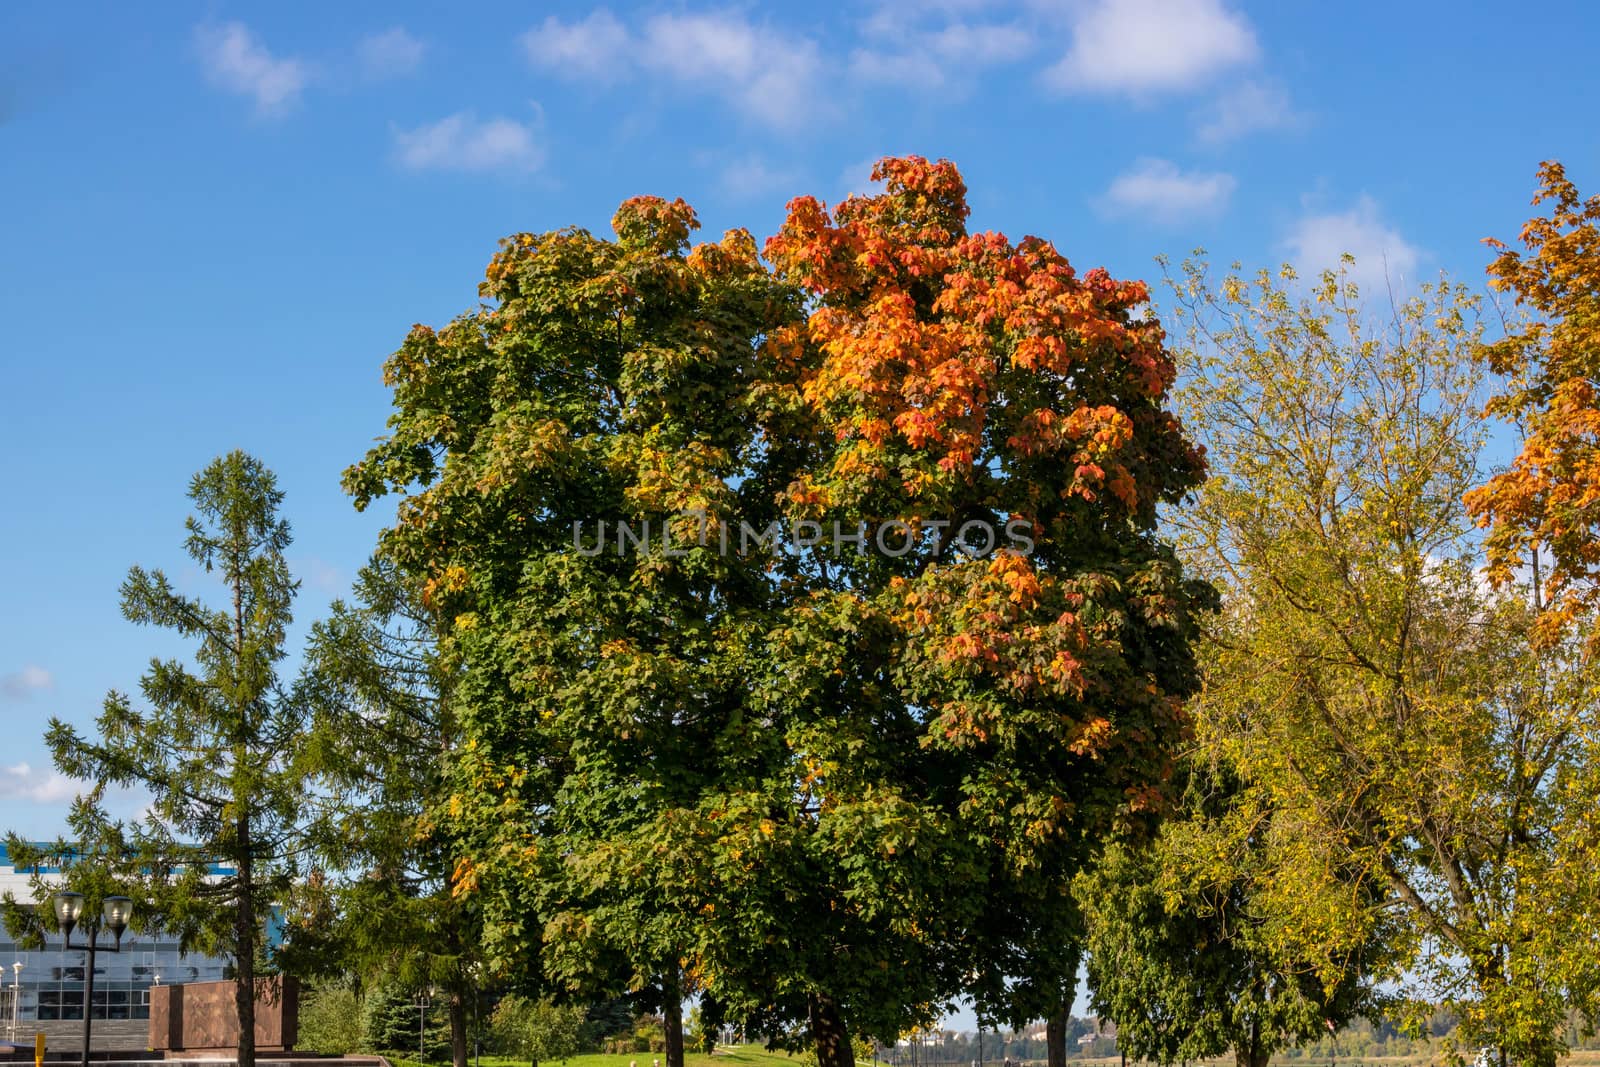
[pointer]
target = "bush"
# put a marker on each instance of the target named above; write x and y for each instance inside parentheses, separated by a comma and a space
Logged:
(702, 1032)
(538, 1030)
(650, 1034)
(330, 1022)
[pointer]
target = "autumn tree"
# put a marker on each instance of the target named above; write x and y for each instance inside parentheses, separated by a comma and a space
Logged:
(962, 382)
(904, 631)
(1548, 501)
(604, 688)
(1360, 679)
(217, 745)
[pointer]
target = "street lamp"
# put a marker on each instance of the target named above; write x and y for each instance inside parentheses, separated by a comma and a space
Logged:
(114, 917)
(422, 1023)
(16, 995)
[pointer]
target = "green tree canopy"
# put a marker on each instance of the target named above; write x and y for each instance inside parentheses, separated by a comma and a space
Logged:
(1188, 950)
(795, 774)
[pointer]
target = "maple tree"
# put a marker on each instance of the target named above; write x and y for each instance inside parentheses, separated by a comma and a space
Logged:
(813, 781)
(955, 378)
(601, 692)
(1549, 499)
(1360, 680)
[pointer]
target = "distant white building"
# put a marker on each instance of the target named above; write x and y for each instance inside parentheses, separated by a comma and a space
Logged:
(49, 983)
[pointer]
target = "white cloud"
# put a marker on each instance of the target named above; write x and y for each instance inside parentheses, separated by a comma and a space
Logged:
(1382, 257)
(390, 54)
(1158, 191)
(19, 685)
(1145, 46)
(22, 782)
(598, 48)
(236, 61)
(461, 142)
(766, 74)
(39, 785)
(1245, 109)
(993, 43)
(914, 55)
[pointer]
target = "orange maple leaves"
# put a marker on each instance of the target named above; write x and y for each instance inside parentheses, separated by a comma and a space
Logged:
(1549, 499)
(1003, 618)
(923, 329)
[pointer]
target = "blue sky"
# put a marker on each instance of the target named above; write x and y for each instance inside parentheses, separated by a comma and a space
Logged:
(219, 219)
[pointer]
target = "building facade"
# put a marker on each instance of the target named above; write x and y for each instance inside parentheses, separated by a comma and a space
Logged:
(47, 985)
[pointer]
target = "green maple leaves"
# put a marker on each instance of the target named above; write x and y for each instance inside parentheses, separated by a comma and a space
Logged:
(767, 772)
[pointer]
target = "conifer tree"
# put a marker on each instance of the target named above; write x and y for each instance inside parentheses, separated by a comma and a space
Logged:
(217, 744)
(382, 734)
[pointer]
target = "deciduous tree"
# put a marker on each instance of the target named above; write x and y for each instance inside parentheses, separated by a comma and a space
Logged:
(1362, 681)
(1190, 954)
(790, 776)
(537, 1030)
(605, 691)
(330, 1021)
(960, 382)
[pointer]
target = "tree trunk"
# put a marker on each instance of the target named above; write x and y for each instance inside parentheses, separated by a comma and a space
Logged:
(458, 1029)
(244, 932)
(1055, 1037)
(1055, 1027)
(672, 1014)
(827, 1030)
(1252, 1052)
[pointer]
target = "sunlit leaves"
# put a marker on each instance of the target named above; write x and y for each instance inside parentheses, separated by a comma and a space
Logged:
(822, 782)
(1362, 680)
(1549, 499)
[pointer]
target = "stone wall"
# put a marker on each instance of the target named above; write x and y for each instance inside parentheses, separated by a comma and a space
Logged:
(201, 1016)
(66, 1035)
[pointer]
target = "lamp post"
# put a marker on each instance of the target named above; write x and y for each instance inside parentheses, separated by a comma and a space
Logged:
(114, 917)
(16, 995)
(422, 1023)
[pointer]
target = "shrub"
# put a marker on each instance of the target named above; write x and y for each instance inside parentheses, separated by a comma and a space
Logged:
(330, 1022)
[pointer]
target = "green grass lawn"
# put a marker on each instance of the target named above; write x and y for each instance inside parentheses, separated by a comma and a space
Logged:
(734, 1056)
(727, 1056)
